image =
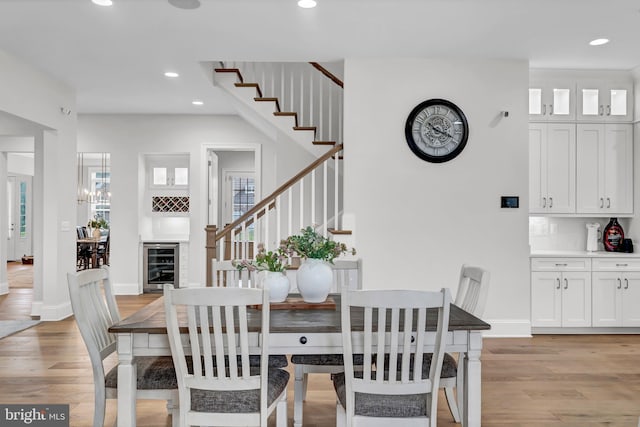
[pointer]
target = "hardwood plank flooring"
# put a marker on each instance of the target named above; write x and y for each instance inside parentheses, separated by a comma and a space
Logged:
(547, 380)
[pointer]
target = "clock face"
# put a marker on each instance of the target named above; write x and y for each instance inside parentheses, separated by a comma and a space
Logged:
(436, 130)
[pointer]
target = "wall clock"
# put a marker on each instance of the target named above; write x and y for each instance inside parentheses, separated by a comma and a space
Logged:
(436, 130)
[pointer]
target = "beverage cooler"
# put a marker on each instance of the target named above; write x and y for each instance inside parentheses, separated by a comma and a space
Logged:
(161, 265)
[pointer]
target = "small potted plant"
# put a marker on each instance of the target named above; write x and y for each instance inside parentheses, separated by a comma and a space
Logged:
(270, 266)
(315, 275)
(97, 223)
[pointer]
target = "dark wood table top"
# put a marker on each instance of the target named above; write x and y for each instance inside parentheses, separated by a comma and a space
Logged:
(151, 319)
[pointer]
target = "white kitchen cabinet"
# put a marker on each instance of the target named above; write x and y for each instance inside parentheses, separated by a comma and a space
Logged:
(604, 168)
(603, 100)
(560, 297)
(616, 293)
(552, 163)
(552, 100)
(168, 171)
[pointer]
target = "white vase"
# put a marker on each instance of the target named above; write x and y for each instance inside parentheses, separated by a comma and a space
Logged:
(314, 279)
(278, 284)
(96, 233)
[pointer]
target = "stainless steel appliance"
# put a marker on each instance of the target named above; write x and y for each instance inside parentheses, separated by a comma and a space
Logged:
(161, 265)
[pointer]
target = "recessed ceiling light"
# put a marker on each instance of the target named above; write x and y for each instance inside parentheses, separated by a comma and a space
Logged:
(307, 4)
(171, 74)
(598, 42)
(197, 102)
(102, 2)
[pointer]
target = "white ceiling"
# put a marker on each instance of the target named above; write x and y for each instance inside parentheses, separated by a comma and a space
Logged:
(115, 56)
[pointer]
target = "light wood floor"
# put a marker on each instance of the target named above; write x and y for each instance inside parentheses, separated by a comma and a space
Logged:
(554, 380)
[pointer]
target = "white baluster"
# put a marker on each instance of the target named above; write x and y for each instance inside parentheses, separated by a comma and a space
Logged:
(266, 223)
(301, 203)
(278, 219)
(325, 173)
(336, 178)
(290, 211)
(313, 197)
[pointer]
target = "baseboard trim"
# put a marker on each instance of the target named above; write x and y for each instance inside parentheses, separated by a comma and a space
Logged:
(594, 331)
(36, 309)
(508, 328)
(4, 288)
(55, 312)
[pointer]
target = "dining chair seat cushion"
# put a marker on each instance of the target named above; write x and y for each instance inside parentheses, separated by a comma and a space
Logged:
(324, 359)
(234, 401)
(449, 365)
(275, 360)
(154, 373)
(380, 405)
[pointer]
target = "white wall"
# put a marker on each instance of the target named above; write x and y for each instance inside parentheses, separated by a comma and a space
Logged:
(128, 137)
(415, 222)
(34, 101)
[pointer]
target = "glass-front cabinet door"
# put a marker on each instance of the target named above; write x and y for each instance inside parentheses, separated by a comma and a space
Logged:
(551, 100)
(605, 101)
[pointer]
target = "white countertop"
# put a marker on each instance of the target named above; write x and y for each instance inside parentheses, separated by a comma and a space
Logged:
(583, 254)
(168, 239)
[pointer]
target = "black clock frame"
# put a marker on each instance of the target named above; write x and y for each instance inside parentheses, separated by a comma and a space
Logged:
(409, 133)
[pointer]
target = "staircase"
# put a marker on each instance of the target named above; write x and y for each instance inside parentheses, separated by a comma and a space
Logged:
(303, 103)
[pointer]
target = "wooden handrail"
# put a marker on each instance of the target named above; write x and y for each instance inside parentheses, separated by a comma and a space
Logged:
(327, 73)
(284, 187)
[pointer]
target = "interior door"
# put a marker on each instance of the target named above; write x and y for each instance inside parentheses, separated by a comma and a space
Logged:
(11, 240)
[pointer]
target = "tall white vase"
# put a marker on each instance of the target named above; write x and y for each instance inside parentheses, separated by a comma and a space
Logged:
(314, 279)
(278, 284)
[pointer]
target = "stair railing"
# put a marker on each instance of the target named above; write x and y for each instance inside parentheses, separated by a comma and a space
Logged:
(311, 197)
(307, 89)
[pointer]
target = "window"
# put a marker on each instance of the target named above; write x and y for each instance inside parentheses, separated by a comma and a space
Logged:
(100, 205)
(23, 209)
(239, 195)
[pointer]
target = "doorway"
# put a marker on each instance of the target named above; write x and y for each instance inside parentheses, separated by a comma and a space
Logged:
(19, 208)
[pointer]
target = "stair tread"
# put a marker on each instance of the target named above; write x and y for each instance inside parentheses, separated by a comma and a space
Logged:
(313, 128)
(253, 85)
(324, 143)
(230, 70)
(342, 232)
(269, 99)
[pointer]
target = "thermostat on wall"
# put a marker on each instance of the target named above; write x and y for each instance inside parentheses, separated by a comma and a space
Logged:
(509, 202)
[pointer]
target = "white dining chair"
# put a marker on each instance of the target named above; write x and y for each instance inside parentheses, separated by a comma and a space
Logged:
(402, 390)
(217, 384)
(471, 296)
(225, 274)
(346, 273)
(95, 310)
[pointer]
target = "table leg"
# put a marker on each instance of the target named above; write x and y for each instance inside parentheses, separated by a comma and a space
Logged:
(127, 374)
(472, 401)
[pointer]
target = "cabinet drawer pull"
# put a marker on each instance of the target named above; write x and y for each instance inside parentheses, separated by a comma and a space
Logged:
(626, 283)
(561, 264)
(622, 265)
(619, 283)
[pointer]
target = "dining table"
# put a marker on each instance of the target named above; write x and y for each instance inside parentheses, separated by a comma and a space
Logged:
(292, 331)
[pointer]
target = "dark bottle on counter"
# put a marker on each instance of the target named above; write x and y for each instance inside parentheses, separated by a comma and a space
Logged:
(612, 236)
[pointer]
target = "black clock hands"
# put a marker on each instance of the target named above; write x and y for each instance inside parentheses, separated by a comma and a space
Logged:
(439, 131)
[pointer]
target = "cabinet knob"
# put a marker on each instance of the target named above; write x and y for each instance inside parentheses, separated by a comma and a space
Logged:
(608, 202)
(558, 287)
(544, 202)
(608, 110)
(619, 283)
(601, 110)
(626, 283)
(303, 340)
(550, 202)
(601, 203)
(566, 283)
